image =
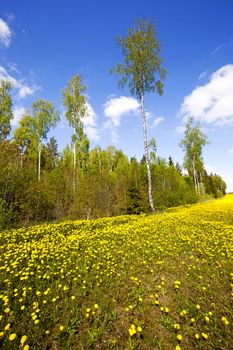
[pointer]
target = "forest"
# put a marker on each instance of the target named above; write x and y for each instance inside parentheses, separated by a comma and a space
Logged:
(40, 184)
(105, 182)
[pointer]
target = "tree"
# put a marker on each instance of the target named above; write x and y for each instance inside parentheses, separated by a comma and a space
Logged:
(44, 117)
(24, 135)
(51, 153)
(76, 107)
(153, 147)
(5, 110)
(192, 144)
(142, 71)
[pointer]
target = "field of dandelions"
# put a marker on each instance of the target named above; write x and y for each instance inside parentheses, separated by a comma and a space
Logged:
(161, 281)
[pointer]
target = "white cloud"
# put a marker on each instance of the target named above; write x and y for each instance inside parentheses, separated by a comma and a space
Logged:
(90, 117)
(202, 75)
(212, 102)
(90, 125)
(230, 151)
(18, 112)
(149, 115)
(180, 129)
(23, 90)
(115, 108)
(92, 133)
(157, 121)
(5, 34)
(13, 67)
(5, 76)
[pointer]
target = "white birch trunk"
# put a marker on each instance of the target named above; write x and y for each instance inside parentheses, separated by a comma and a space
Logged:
(146, 154)
(195, 176)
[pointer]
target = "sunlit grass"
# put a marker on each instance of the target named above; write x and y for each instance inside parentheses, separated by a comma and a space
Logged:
(132, 282)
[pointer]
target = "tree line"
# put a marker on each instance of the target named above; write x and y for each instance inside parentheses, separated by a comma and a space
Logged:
(38, 183)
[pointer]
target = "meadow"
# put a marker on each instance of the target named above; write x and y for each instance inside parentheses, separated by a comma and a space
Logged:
(162, 281)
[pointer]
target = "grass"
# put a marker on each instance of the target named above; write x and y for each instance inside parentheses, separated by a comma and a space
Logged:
(133, 282)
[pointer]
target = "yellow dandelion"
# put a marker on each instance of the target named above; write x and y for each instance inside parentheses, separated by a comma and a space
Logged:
(176, 326)
(132, 330)
(204, 335)
(23, 339)
(12, 336)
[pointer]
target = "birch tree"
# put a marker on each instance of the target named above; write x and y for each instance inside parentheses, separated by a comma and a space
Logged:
(192, 144)
(75, 103)
(142, 72)
(44, 117)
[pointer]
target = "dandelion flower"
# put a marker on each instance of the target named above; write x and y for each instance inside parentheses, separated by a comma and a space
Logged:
(23, 339)
(7, 327)
(176, 326)
(204, 335)
(12, 336)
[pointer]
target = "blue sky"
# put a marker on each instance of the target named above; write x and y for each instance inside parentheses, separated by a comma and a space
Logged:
(44, 43)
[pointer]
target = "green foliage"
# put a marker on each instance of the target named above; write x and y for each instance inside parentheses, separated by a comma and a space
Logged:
(75, 103)
(44, 117)
(25, 136)
(134, 201)
(141, 69)
(5, 110)
(192, 144)
(83, 183)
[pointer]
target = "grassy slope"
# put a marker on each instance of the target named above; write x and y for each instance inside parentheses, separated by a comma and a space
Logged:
(90, 284)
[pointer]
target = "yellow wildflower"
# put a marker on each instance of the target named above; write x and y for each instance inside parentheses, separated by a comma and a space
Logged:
(12, 336)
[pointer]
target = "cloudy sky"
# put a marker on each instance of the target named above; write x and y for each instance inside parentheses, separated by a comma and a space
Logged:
(44, 43)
